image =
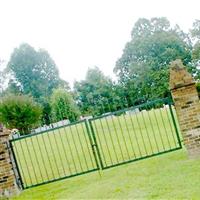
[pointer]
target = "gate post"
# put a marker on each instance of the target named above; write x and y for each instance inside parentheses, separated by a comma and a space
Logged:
(187, 106)
(8, 186)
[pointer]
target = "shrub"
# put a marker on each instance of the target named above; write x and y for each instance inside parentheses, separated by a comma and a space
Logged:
(20, 112)
(63, 106)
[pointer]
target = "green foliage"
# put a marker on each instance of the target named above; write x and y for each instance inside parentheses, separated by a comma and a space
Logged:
(20, 112)
(1, 82)
(46, 110)
(35, 71)
(195, 31)
(63, 106)
(196, 51)
(2, 77)
(198, 88)
(95, 94)
(13, 88)
(143, 67)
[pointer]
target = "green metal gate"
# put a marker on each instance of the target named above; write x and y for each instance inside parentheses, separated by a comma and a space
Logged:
(102, 142)
(135, 133)
(54, 154)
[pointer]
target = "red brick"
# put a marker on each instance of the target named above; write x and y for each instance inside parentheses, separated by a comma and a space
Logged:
(187, 106)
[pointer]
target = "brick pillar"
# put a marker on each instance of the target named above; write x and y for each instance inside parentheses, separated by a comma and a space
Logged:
(8, 186)
(185, 96)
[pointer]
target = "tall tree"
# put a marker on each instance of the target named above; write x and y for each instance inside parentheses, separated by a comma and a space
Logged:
(95, 93)
(195, 34)
(35, 71)
(143, 67)
(195, 31)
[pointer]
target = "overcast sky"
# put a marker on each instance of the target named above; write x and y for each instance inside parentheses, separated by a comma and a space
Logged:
(83, 33)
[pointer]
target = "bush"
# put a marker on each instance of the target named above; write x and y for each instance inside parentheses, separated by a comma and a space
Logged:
(63, 106)
(20, 112)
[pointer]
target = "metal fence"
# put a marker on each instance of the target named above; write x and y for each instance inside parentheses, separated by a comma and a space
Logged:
(101, 142)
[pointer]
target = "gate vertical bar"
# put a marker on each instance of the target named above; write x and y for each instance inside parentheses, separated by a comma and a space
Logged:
(95, 143)
(92, 145)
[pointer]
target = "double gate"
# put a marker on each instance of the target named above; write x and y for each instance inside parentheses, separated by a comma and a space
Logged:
(99, 143)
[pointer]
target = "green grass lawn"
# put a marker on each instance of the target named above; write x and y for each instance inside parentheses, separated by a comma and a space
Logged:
(169, 176)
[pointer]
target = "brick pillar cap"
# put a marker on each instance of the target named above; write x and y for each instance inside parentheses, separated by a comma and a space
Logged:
(179, 77)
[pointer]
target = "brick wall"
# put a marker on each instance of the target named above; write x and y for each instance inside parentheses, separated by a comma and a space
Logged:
(8, 185)
(185, 96)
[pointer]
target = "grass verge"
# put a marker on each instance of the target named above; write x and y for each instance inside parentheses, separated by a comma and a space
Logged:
(169, 176)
